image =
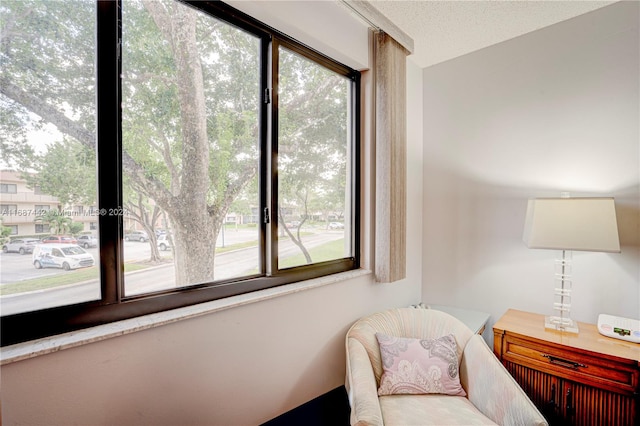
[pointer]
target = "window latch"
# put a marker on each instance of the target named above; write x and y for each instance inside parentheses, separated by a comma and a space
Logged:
(267, 96)
(265, 216)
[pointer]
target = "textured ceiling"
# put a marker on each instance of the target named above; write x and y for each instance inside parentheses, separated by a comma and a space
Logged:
(443, 30)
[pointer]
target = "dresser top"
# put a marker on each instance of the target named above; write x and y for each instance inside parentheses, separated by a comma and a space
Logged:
(532, 325)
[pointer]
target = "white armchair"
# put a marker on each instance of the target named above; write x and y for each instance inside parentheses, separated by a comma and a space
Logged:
(493, 396)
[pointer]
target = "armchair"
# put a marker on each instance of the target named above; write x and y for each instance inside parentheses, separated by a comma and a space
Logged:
(492, 395)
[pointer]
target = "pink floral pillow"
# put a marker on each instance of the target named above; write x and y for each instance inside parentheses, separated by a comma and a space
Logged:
(416, 366)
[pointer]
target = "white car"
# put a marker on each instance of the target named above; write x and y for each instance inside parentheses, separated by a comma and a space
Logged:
(22, 246)
(163, 242)
(65, 256)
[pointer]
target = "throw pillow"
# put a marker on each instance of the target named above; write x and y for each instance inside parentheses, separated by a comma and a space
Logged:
(419, 366)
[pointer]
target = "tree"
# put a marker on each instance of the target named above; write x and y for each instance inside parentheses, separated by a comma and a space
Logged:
(312, 134)
(58, 222)
(182, 158)
(190, 108)
(147, 214)
(67, 170)
(76, 227)
(5, 231)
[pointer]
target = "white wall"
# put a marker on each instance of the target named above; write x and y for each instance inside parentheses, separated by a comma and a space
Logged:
(551, 111)
(242, 366)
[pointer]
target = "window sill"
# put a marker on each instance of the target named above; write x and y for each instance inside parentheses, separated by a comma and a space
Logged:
(35, 348)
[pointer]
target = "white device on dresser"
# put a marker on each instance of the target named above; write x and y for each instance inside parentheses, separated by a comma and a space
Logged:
(619, 328)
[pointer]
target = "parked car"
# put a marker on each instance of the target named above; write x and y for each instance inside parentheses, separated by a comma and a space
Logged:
(22, 246)
(163, 242)
(136, 236)
(87, 241)
(336, 225)
(65, 256)
(59, 239)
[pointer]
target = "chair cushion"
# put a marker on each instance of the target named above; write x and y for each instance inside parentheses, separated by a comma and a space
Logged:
(419, 366)
(407, 322)
(424, 410)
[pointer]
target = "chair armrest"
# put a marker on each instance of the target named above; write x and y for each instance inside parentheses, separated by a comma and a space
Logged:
(491, 388)
(362, 390)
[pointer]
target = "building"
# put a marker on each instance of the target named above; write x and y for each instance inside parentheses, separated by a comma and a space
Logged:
(20, 205)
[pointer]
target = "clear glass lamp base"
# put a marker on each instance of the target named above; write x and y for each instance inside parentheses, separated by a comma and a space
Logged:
(561, 324)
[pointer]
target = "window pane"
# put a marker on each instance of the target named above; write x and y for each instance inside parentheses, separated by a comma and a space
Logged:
(47, 110)
(191, 144)
(314, 148)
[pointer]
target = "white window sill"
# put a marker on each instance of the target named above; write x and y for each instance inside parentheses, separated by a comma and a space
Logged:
(47, 345)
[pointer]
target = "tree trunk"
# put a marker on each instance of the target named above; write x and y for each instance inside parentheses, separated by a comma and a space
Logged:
(193, 256)
(195, 227)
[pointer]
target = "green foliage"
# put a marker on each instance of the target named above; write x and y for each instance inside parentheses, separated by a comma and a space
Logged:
(76, 227)
(58, 221)
(5, 232)
(47, 49)
(67, 170)
(48, 78)
(313, 136)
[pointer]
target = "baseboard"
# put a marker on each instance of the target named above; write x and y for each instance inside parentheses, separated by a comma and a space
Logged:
(330, 409)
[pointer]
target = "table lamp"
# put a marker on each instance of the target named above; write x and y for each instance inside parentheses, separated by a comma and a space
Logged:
(566, 224)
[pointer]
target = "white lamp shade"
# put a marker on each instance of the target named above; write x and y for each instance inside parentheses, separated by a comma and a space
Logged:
(585, 224)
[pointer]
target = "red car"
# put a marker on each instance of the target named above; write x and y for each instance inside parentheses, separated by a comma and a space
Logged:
(58, 239)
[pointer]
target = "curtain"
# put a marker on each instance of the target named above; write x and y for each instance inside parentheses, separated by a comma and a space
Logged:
(391, 158)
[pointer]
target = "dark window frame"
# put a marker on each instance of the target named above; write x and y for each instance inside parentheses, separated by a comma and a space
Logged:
(114, 305)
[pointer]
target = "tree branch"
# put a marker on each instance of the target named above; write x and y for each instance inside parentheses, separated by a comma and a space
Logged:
(160, 16)
(69, 127)
(47, 112)
(165, 151)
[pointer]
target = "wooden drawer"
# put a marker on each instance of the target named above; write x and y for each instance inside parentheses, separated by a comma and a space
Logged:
(582, 379)
(615, 374)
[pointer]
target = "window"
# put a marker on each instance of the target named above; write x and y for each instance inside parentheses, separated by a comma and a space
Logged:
(8, 188)
(314, 173)
(238, 149)
(8, 209)
(41, 229)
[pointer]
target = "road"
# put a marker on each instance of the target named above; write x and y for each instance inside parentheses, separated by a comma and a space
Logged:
(16, 267)
(228, 265)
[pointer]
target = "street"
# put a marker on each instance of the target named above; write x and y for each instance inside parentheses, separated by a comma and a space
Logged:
(236, 263)
(16, 267)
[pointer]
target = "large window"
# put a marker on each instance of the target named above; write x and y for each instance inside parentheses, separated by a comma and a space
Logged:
(222, 157)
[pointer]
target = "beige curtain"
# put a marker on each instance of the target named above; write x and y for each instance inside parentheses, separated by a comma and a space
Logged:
(391, 158)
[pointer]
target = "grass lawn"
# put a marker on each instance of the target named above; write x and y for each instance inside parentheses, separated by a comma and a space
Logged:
(237, 246)
(329, 251)
(64, 278)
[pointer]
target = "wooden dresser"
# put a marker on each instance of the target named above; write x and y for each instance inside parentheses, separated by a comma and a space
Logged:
(574, 379)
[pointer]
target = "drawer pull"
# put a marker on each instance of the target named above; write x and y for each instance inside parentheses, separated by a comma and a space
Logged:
(563, 362)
